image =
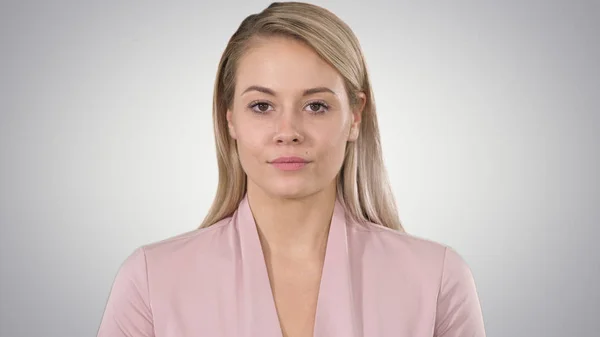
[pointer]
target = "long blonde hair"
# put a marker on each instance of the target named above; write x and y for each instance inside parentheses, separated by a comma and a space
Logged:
(362, 183)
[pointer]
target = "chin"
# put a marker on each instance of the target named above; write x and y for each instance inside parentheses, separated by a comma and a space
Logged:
(290, 189)
(290, 192)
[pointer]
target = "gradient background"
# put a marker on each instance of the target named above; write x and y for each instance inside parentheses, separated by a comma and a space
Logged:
(489, 116)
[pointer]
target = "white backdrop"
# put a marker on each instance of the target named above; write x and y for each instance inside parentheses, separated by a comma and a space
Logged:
(489, 114)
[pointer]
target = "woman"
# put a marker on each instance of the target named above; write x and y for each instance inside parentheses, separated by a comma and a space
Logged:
(303, 237)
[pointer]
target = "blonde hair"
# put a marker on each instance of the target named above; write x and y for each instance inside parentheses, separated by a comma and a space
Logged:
(362, 183)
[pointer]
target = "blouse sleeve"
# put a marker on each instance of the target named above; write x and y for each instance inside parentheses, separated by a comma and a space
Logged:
(458, 308)
(127, 312)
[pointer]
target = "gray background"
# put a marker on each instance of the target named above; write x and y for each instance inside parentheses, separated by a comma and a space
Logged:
(490, 121)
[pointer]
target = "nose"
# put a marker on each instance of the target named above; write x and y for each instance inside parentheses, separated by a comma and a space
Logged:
(287, 129)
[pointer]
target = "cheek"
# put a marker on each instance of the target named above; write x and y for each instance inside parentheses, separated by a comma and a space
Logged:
(250, 145)
(333, 147)
(335, 135)
(246, 130)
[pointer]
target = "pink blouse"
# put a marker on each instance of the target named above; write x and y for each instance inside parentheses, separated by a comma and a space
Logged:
(213, 282)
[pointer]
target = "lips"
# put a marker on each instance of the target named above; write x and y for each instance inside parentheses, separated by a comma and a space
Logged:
(289, 163)
(287, 160)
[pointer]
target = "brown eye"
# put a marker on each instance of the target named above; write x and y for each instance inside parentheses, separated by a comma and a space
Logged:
(260, 107)
(317, 107)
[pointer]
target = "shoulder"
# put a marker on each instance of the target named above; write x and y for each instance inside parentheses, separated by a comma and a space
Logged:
(421, 256)
(398, 242)
(172, 255)
(152, 273)
(195, 240)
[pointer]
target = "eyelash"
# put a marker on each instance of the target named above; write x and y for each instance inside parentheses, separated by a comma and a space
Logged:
(324, 105)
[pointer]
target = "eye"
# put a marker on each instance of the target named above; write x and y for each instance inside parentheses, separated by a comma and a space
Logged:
(317, 107)
(259, 107)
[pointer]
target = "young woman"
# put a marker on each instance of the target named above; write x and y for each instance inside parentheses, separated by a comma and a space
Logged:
(303, 237)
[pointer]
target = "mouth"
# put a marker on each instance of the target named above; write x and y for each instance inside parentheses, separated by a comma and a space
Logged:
(289, 163)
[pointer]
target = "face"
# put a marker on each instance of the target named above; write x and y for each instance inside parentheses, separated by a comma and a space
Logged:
(291, 119)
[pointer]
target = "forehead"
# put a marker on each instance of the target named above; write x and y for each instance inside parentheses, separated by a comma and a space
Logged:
(285, 65)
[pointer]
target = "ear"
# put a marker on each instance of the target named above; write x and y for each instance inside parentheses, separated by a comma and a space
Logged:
(357, 116)
(230, 124)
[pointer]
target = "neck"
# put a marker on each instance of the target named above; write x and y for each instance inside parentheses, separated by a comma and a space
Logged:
(297, 228)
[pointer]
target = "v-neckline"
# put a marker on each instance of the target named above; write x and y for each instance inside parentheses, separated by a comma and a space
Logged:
(334, 313)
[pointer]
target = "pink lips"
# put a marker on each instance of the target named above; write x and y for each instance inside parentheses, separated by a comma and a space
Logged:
(289, 163)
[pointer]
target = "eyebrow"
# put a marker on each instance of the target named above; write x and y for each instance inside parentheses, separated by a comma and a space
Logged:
(272, 93)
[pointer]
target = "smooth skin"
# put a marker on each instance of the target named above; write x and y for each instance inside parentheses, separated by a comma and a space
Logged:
(290, 102)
